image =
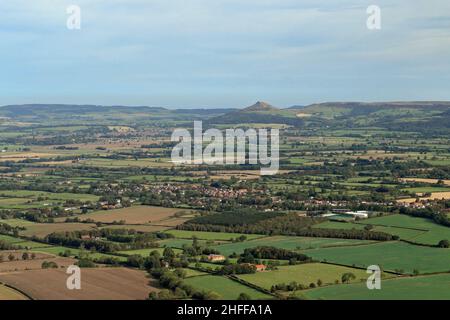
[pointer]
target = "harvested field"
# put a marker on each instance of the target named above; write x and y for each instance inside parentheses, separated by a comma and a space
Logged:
(135, 215)
(7, 293)
(31, 264)
(42, 229)
(446, 182)
(96, 284)
(434, 196)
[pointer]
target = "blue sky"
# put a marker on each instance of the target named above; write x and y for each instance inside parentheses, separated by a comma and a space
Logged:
(223, 53)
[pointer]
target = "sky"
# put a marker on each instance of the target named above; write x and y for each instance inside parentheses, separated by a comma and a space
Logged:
(223, 53)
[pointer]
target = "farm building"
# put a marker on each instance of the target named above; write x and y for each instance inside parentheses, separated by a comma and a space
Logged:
(216, 257)
(260, 267)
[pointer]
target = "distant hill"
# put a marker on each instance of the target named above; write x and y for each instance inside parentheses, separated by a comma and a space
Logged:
(406, 116)
(260, 112)
(97, 113)
(260, 106)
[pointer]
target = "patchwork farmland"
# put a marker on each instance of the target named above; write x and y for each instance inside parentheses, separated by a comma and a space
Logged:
(356, 188)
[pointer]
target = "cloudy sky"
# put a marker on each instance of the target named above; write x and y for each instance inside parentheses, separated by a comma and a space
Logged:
(223, 53)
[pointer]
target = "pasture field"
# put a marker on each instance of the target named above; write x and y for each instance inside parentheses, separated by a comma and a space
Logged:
(193, 273)
(98, 284)
(134, 215)
(225, 236)
(226, 288)
(10, 239)
(420, 190)
(286, 242)
(432, 287)
(25, 244)
(431, 233)
(17, 222)
(178, 243)
(10, 294)
(420, 230)
(303, 274)
(58, 250)
(390, 256)
(145, 252)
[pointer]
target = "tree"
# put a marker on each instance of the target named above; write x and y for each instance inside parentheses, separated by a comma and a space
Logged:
(25, 256)
(444, 244)
(244, 296)
(319, 283)
(347, 277)
(168, 254)
(211, 295)
(11, 257)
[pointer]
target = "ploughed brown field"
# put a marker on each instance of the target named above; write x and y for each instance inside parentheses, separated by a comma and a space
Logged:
(134, 215)
(19, 264)
(96, 284)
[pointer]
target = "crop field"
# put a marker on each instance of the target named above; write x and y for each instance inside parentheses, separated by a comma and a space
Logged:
(433, 181)
(134, 215)
(98, 284)
(433, 287)
(226, 288)
(433, 196)
(40, 230)
(10, 294)
(390, 256)
(304, 274)
(33, 264)
(290, 243)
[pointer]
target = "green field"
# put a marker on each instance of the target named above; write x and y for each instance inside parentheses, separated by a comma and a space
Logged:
(145, 252)
(431, 233)
(434, 287)
(390, 256)
(285, 242)
(57, 250)
(178, 243)
(226, 288)
(17, 222)
(22, 243)
(303, 274)
(419, 230)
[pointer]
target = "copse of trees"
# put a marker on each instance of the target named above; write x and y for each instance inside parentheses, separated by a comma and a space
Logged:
(266, 252)
(240, 268)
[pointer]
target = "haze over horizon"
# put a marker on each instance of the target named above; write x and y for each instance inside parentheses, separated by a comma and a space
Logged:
(223, 53)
